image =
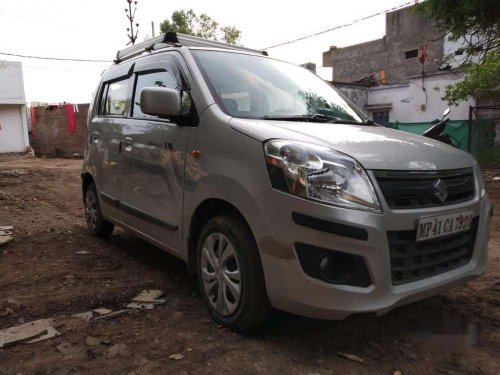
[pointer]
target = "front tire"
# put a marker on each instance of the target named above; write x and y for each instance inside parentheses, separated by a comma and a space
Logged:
(97, 225)
(230, 274)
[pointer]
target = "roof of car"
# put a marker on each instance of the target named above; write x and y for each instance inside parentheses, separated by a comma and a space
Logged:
(171, 39)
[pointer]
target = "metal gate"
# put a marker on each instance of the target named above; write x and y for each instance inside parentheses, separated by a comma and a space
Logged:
(484, 126)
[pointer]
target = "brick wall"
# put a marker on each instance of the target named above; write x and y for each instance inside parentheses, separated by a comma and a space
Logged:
(51, 135)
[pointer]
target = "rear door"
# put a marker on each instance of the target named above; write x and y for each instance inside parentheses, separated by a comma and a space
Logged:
(105, 134)
(153, 158)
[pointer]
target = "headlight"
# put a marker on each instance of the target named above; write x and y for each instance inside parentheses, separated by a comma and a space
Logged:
(321, 174)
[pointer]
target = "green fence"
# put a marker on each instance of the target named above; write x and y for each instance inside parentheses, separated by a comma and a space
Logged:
(483, 132)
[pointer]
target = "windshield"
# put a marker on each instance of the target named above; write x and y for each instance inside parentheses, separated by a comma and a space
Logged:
(251, 86)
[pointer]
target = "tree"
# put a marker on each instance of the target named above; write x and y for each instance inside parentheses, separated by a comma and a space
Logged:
(231, 34)
(181, 21)
(477, 23)
(481, 80)
(203, 26)
(207, 27)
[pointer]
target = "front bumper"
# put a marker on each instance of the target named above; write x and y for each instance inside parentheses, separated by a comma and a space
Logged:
(290, 289)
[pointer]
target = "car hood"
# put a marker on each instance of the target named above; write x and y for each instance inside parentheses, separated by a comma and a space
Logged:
(374, 147)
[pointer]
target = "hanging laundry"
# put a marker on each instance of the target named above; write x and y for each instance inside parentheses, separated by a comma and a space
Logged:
(33, 119)
(70, 115)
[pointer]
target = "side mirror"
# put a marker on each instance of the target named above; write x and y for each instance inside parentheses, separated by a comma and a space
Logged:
(446, 112)
(160, 101)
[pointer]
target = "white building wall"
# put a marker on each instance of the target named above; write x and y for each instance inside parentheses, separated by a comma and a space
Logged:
(393, 97)
(435, 89)
(12, 137)
(409, 103)
(13, 119)
(450, 48)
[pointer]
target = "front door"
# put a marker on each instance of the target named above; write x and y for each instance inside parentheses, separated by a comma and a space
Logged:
(153, 156)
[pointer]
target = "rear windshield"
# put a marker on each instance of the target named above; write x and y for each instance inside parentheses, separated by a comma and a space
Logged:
(251, 86)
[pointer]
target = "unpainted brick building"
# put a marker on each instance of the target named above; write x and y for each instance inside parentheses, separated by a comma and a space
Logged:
(393, 58)
(51, 134)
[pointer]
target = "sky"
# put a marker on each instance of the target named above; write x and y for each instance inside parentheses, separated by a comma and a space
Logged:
(96, 29)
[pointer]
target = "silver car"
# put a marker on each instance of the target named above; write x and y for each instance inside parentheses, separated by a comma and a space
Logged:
(273, 188)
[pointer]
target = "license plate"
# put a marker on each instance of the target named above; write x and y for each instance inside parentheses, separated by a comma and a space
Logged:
(443, 225)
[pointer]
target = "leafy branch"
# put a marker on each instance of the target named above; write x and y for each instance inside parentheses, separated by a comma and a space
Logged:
(203, 26)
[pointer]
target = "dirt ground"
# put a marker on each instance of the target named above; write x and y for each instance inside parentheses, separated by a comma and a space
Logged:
(455, 333)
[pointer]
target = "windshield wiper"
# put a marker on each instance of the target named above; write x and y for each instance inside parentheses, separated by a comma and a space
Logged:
(368, 122)
(350, 122)
(318, 117)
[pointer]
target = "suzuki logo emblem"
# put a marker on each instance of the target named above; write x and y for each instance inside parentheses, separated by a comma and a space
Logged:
(441, 190)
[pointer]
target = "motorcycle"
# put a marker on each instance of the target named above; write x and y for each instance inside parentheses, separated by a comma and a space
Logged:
(436, 131)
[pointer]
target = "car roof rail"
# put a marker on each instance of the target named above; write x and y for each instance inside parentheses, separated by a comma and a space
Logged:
(173, 39)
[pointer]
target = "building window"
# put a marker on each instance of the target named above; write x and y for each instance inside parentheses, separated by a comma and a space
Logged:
(411, 54)
(381, 118)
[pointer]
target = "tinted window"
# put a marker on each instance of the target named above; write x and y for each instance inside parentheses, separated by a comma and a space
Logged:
(116, 98)
(153, 79)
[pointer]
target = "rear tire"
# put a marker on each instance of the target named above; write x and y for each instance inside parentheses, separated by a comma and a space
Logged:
(230, 274)
(97, 225)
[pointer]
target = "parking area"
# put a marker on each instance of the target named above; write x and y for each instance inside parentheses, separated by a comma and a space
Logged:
(53, 269)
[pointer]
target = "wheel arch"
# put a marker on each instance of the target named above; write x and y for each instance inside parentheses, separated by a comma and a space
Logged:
(205, 211)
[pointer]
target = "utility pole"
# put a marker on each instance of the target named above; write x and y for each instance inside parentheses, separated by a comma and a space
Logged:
(130, 15)
(153, 29)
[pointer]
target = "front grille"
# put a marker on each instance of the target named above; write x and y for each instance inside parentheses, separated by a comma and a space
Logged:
(403, 189)
(412, 261)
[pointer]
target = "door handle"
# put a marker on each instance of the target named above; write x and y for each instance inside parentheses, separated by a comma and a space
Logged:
(94, 137)
(126, 144)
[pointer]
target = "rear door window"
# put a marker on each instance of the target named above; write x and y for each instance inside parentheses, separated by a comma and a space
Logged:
(116, 98)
